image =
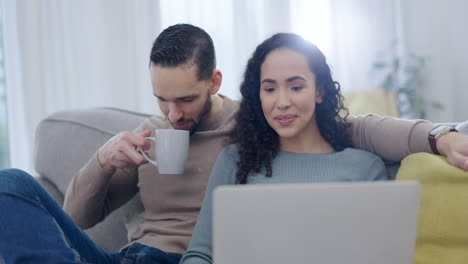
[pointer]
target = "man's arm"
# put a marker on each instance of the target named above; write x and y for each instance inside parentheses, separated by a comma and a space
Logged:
(107, 181)
(393, 139)
(94, 193)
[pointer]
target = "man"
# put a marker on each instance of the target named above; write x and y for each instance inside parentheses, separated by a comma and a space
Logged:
(185, 83)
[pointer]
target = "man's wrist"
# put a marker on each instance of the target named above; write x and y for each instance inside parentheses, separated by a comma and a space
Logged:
(443, 142)
(104, 166)
(436, 133)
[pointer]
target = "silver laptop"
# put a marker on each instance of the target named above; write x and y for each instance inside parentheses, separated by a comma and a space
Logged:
(353, 223)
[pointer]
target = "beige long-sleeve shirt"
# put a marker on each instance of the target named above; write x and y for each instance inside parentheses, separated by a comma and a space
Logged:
(172, 202)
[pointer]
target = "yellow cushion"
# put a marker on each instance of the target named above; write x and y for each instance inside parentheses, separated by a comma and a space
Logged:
(443, 216)
(375, 101)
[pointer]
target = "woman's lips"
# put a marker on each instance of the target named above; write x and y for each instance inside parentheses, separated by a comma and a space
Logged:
(285, 120)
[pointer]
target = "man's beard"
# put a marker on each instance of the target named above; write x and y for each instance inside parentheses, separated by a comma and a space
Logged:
(200, 118)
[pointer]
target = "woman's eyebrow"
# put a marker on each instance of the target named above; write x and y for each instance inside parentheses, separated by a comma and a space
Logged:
(268, 81)
(291, 79)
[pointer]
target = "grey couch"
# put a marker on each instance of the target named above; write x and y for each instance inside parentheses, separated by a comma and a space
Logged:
(64, 143)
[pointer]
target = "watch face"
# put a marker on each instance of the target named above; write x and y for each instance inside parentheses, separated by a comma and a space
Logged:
(440, 129)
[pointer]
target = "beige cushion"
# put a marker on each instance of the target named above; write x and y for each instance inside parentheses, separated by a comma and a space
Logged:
(375, 101)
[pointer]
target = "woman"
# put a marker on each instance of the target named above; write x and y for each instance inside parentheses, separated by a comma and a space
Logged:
(288, 130)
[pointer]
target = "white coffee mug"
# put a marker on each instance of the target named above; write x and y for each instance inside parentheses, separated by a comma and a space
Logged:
(171, 150)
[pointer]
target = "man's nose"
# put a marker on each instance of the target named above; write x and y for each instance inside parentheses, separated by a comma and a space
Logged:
(175, 113)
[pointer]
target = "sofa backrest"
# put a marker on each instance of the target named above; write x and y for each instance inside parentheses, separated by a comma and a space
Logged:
(65, 141)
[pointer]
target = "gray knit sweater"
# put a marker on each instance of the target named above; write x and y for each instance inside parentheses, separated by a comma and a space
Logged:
(347, 165)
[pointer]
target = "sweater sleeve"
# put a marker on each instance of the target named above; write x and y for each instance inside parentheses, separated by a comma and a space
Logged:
(200, 250)
(94, 193)
(390, 138)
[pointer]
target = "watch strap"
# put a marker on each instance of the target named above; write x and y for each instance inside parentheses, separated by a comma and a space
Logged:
(433, 144)
(433, 139)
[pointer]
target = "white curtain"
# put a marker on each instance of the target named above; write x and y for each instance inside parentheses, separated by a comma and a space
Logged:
(74, 54)
(236, 26)
(361, 31)
(20, 139)
(436, 30)
(78, 54)
(351, 33)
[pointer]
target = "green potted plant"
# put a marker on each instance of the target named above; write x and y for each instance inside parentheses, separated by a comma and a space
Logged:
(405, 77)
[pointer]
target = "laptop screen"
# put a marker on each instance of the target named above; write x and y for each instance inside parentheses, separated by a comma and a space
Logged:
(371, 222)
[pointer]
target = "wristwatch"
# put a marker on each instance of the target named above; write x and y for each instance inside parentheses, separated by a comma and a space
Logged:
(436, 133)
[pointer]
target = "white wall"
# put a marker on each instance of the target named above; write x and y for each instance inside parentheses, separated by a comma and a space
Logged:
(438, 29)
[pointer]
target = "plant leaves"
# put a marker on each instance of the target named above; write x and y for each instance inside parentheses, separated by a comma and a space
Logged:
(379, 65)
(437, 105)
(387, 85)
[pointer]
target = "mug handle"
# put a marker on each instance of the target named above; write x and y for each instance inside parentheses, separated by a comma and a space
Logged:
(144, 154)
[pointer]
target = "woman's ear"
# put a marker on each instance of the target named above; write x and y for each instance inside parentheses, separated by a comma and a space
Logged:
(319, 95)
(216, 80)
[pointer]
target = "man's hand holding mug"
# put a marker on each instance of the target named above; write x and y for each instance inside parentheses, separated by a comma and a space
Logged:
(121, 151)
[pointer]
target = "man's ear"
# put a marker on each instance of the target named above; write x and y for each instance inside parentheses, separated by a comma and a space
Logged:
(319, 95)
(216, 80)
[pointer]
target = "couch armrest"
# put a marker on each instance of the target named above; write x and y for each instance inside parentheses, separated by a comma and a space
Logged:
(65, 141)
(51, 189)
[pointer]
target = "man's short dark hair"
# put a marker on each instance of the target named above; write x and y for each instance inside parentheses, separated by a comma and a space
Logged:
(180, 43)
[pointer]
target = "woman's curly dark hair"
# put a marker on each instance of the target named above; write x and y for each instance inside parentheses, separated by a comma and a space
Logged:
(257, 142)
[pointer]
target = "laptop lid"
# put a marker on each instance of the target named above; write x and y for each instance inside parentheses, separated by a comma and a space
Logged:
(354, 223)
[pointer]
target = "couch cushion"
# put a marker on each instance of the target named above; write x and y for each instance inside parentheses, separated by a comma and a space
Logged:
(443, 216)
(377, 101)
